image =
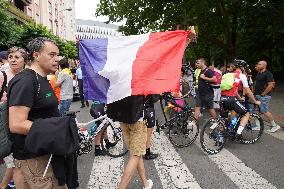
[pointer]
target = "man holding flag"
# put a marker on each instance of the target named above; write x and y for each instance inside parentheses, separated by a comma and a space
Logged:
(121, 72)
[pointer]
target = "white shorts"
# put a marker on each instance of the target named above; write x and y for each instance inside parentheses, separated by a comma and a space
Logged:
(9, 161)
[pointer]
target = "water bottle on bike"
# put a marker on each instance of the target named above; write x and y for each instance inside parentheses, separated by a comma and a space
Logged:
(233, 124)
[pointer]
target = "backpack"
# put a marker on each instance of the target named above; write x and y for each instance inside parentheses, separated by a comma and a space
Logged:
(5, 142)
(128, 110)
(227, 81)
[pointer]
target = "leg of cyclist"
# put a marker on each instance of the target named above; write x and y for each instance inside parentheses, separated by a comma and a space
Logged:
(242, 111)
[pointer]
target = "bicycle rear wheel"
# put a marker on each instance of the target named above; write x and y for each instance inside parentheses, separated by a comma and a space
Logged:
(253, 130)
(182, 132)
(213, 137)
(114, 134)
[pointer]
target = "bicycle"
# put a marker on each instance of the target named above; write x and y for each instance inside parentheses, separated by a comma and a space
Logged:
(218, 131)
(181, 133)
(107, 126)
(187, 84)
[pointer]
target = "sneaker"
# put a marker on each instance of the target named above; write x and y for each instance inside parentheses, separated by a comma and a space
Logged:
(255, 128)
(110, 145)
(11, 185)
(191, 124)
(83, 106)
(150, 156)
(99, 152)
(274, 129)
(150, 184)
(214, 125)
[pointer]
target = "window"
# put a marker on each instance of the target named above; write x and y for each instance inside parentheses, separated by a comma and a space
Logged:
(37, 18)
(29, 12)
(50, 7)
(51, 25)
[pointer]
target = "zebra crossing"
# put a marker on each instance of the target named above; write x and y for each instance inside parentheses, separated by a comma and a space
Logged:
(191, 168)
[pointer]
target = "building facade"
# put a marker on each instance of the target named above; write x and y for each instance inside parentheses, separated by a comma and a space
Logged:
(57, 15)
(88, 29)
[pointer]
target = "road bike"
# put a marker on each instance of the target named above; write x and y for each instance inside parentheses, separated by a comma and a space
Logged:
(181, 132)
(215, 133)
(88, 131)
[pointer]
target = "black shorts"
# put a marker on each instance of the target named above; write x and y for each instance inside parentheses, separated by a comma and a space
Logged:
(204, 100)
(232, 103)
(150, 117)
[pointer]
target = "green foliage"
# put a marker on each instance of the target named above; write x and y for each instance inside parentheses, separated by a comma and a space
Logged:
(20, 35)
(228, 29)
(30, 31)
(8, 29)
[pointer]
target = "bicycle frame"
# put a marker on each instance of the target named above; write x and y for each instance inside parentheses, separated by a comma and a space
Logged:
(105, 120)
(171, 99)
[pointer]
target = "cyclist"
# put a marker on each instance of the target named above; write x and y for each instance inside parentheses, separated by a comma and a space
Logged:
(230, 98)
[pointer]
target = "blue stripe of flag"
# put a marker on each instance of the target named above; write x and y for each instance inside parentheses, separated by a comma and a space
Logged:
(93, 57)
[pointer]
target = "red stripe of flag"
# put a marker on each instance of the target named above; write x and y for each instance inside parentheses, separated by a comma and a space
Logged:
(157, 67)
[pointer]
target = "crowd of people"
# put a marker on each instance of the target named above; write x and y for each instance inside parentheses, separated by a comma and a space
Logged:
(241, 97)
(38, 85)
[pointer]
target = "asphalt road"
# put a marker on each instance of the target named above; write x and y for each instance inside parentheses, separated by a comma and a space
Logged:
(260, 165)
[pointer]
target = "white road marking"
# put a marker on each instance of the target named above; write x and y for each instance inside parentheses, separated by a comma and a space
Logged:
(243, 176)
(106, 173)
(172, 171)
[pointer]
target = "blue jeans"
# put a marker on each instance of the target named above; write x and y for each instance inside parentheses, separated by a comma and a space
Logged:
(64, 106)
(264, 106)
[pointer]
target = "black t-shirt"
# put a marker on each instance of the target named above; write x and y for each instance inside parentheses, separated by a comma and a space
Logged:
(204, 87)
(23, 91)
(261, 81)
(151, 100)
(128, 110)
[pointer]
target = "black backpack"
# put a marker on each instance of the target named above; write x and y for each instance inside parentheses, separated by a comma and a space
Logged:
(128, 110)
(5, 142)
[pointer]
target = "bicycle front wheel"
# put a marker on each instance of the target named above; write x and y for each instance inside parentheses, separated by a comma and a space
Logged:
(114, 134)
(183, 129)
(213, 136)
(253, 130)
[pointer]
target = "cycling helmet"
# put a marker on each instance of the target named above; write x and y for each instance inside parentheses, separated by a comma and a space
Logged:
(240, 63)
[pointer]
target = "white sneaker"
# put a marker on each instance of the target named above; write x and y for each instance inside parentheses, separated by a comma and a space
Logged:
(256, 128)
(150, 184)
(274, 129)
(191, 124)
(214, 125)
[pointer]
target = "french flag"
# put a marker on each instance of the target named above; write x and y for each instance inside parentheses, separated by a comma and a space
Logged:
(118, 67)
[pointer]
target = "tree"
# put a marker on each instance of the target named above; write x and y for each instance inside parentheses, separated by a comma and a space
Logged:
(8, 30)
(227, 28)
(30, 31)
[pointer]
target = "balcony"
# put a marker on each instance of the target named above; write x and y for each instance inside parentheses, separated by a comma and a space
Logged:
(24, 2)
(18, 14)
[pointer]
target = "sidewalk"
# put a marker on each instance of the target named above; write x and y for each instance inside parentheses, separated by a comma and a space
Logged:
(277, 104)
